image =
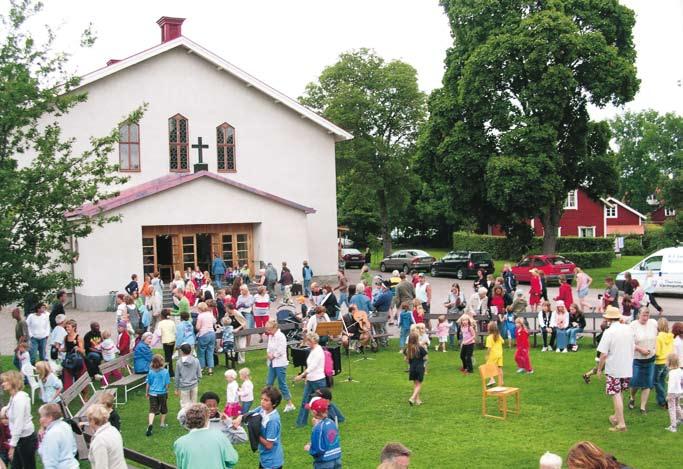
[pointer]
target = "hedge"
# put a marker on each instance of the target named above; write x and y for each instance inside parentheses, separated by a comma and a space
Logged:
(633, 247)
(590, 260)
(501, 247)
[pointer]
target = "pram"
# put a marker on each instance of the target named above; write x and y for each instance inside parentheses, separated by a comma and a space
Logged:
(286, 315)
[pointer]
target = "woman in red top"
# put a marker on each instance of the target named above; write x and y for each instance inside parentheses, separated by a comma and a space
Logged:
(535, 290)
(522, 353)
(565, 291)
(191, 293)
(498, 300)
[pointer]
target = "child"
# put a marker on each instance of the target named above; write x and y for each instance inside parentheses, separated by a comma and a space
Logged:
(270, 449)
(519, 304)
(107, 400)
(246, 391)
(565, 293)
(442, 330)
(156, 391)
(188, 373)
(227, 336)
(415, 355)
(550, 461)
(421, 329)
(21, 355)
(522, 353)
(333, 411)
(418, 313)
(50, 385)
(545, 317)
(5, 436)
(535, 291)
(587, 375)
(324, 445)
(468, 332)
(664, 346)
(404, 322)
(108, 347)
(494, 344)
(674, 392)
(123, 339)
(509, 329)
(497, 301)
(232, 405)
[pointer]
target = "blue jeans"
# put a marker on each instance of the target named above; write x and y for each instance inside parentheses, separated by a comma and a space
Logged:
(403, 337)
(336, 464)
(205, 346)
(250, 320)
(217, 279)
(280, 373)
(561, 338)
(310, 387)
(38, 345)
(661, 372)
(343, 299)
(573, 332)
(245, 407)
(307, 287)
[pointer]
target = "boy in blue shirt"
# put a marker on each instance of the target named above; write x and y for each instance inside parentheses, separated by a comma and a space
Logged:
(325, 446)
(405, 321)
(271, 454)
(156, 391)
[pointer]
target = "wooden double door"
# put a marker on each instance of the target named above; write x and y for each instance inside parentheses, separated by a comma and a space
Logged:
(166, 249)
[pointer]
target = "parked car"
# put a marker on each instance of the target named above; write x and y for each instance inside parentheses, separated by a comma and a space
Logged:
(407, 260)
(463, 264)
(551, 265)
(666, 266)
(352, 258)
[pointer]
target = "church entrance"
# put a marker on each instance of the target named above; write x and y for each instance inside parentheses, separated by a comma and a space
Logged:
(166, 249)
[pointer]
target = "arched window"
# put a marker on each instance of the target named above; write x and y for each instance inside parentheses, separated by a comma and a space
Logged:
(177, 144)
(129, 147)
(225, 148)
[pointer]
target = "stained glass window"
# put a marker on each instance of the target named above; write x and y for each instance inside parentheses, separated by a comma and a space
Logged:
(225, 148)
(129, 147)
(178, 144)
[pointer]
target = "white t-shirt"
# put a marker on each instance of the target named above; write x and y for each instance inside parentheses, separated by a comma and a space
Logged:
(675, 381)
(421, 292)
(678, 347)
(315, 364)
(38, 325)
(232, 392)
(618, 343)
(645, 336)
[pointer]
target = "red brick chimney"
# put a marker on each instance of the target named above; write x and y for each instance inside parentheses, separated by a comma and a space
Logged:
(171, 28)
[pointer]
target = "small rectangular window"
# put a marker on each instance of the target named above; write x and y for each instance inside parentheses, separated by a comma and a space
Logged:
(129, 147)
(586, 232)
(611, 212)
(669, 212)
(572, 201)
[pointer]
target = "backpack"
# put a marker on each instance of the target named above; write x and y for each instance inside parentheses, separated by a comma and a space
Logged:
(329, 363)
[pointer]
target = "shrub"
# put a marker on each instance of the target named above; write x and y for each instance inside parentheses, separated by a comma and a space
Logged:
(590, 260)
(497, 246)
(633, 247)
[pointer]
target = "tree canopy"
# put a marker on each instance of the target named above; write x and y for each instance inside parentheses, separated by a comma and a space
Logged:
(509, 132)
(381, 105)
(41, 177)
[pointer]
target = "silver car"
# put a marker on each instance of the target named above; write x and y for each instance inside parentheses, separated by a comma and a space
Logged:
(407, 260)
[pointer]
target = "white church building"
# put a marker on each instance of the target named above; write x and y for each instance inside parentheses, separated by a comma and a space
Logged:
(266, 191)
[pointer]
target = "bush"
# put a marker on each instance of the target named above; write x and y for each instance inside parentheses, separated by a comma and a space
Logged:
(503, 248)
(590, 260)
(633, 247)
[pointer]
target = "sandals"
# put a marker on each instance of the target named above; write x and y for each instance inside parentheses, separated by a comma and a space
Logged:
(617, 429)
(586, 378)
(631, 404)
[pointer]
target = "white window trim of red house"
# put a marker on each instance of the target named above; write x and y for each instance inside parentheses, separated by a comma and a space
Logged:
(586, 228)
(576, 200)
(669, 212)
(616, 211)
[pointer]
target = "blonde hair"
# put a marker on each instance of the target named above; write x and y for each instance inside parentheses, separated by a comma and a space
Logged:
(442, 318)
(43, 369)
(245, 372)
(662, 325)
(231, 374)
(14, 379)
(189, 286)
(106, 334)
(107, 400)
(98, 414)
(202, 307)
(468, 318)
(50, 410)
(177, 275)
(672, 361)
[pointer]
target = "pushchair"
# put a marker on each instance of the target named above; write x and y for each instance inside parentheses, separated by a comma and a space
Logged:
(285, 316)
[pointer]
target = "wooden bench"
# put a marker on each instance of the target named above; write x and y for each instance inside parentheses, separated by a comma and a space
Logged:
(76, 391)
(129, 381)
(117, 364)
(374, 321)
(259, 346)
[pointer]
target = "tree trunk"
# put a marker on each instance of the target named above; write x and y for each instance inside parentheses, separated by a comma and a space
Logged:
(384, 221)
(551, 222)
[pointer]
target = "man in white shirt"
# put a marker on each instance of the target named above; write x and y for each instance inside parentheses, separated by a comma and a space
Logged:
(616, 358)
(38, 330)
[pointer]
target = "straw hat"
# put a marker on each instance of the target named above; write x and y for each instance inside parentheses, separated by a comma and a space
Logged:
(612, 313)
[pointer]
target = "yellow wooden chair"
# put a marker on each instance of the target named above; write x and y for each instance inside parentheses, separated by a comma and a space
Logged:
(488, 371)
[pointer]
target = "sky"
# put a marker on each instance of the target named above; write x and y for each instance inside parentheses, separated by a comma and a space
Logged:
(287, 44)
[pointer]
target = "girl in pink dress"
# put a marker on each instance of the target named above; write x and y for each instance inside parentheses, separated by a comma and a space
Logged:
(535, 290)
(442, 329)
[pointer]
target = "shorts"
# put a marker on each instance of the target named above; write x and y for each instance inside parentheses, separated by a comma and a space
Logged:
(443, 339)
(614, 386)
(261, 320)
(157, 404)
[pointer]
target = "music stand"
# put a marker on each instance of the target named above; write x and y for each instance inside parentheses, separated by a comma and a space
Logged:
(329, 328)
(349, 379)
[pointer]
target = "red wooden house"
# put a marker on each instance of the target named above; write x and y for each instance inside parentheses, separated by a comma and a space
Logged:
(584, 216)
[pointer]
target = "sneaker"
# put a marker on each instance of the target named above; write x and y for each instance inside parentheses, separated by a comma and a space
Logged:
(617, 429)
(163, 425)
(631, 404)
(149, 431)
(576, 348)
(531, 372)
(586, 378)
(544, 349)
(558, 350)
(443, 351)
(98, 376)
(564, 351)
(671, 429)
(520, 370)
(289, 407)
(436, 348)
(219, 350)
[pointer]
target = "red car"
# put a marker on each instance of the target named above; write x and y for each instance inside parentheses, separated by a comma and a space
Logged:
(551, 265)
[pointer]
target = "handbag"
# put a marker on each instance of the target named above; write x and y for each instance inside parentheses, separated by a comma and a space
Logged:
(54, 352)
(73, 361)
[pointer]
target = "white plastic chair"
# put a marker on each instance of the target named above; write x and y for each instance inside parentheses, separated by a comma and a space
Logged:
(29, 372)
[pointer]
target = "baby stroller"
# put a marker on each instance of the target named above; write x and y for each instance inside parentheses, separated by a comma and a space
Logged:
(286, 315)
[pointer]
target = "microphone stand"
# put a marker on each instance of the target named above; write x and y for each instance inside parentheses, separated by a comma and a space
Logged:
(349, 379)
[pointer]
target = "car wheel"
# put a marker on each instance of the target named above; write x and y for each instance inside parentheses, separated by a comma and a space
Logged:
(460, 274)
(433, 272)
(383, 267)
(405, 268)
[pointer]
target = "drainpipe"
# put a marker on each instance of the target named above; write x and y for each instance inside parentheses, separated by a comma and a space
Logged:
(73, 272)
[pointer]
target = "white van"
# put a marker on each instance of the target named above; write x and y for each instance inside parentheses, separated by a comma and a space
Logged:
(667, 267)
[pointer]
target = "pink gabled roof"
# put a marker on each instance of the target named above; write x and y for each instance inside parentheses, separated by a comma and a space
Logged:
(155, 186)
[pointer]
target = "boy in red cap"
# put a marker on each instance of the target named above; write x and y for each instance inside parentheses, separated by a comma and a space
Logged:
(325, 446)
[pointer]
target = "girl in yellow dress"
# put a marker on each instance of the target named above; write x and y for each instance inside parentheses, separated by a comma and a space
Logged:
(494, 344)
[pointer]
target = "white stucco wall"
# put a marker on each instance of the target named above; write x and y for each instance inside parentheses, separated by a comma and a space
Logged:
(110, 254)
(277, 150)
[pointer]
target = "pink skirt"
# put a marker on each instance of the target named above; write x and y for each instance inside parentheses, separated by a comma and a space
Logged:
(232, 410)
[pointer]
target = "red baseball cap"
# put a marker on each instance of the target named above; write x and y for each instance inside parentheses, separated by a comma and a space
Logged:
(318, 405)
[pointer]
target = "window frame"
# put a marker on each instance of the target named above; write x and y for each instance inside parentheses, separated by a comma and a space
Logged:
(587, 228)
(616, 211)
(669, 212)
(129, 143)
(575, 206)
(225, 146)
(178, 144)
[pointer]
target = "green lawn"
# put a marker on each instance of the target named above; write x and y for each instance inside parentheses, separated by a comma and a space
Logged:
(558, 409)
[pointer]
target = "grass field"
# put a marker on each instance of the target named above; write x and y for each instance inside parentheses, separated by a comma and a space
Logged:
(448, 431)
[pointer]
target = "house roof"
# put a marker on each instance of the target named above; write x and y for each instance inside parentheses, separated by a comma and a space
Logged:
(630, 209)
(155, 186)
(221, 65)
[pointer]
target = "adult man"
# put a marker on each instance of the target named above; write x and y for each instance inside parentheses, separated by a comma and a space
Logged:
(396, 454)
(360, 299)
(343, 288)
(286, 280)
(57, 308)
(202, 446)
(183, 303)
(58, 446)
(423, 292)
(611, 294)
(616, 358)
(38, 330)
(307, 275)
(218, 269)
(271, 280)
(382, 305)
(405, 292)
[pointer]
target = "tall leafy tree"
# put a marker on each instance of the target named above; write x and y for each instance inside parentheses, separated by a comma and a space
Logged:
(36, 239)
(381, 105)
(650, 147)
(509, 132)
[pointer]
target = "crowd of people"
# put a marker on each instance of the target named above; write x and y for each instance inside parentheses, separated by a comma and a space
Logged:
(635, 352)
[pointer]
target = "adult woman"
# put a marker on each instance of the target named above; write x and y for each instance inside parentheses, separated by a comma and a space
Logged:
(238, 323)
(586, 455)
(236, 287)
(191, 293)
(560, 326)
(245, 305)
(583, 283)
(106, 446)
(74, 352)
(314, 374)
(142, 354)
(58, 446)
(277, 361)
(577, 323)
(207, 286)
(329, 301)
(22, 443)
(206, 337)
(480, 281)
(628, 286)
(645, 334)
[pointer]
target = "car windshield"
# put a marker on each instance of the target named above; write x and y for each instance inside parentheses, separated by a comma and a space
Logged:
(350, 251)
(418, 253)
(558, 260)
(481, 257)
